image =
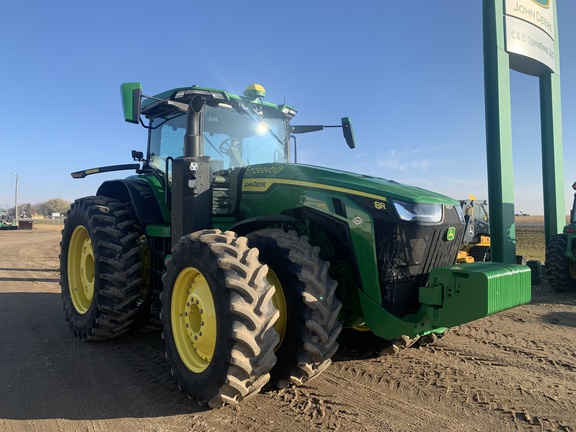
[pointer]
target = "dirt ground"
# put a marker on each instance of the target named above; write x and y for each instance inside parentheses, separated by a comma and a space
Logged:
(515, 370)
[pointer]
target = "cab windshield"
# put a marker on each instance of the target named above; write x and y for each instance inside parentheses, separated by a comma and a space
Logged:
(232, 138)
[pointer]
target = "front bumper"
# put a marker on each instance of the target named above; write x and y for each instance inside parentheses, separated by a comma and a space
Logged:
(459, 294)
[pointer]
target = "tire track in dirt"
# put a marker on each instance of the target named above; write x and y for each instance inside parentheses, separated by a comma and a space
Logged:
(518, 378)
(543, 358)
(446, 379)
(371, 388)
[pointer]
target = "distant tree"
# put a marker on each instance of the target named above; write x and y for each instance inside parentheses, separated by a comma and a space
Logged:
(53, 205)
(36, 209)
(25, 210)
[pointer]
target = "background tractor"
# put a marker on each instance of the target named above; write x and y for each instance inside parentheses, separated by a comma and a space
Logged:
(254, 264)
(560, 264)
(476, 242)
(5, 222)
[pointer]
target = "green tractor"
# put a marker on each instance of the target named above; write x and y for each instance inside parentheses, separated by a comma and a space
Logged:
(253, 264)
(5, 222)
(560, 264)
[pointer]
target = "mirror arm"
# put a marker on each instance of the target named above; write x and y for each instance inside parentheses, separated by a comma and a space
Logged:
(346, 129)
(295, 149)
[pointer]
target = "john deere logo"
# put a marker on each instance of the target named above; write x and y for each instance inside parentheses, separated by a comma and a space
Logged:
(543, 3)
(451, 234)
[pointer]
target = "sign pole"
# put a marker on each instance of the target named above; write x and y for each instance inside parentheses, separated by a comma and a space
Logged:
(521, 35)
(498, 135)
(552, 158)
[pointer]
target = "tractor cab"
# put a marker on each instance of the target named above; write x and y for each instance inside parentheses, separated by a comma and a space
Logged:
(229, 131)
(234, 133)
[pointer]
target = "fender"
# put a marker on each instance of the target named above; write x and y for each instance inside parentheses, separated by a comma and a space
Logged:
(139, 193)
(260, 222)
(338, 231)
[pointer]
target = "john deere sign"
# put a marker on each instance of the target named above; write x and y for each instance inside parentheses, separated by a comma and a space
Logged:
(530, 36)
(522, 35)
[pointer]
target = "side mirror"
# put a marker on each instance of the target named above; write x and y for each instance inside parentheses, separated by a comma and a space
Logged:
(131, 101)
(348, 132)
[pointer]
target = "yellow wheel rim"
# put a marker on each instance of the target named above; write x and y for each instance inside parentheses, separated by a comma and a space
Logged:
(193, 318)
(361, 328)
(81, 269)
(279, 302)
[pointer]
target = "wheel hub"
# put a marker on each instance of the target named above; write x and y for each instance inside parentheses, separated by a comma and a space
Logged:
(194, 320)
(81, 269)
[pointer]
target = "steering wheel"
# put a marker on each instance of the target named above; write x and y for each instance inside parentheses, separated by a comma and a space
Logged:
(226, 145)
(231, 147)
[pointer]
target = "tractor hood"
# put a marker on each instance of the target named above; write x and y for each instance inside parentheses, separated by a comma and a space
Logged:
(262, 177)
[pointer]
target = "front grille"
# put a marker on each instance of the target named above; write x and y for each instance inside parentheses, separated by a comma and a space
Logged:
(406, 252)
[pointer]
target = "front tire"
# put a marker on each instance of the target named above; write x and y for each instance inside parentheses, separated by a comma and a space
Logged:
(560, 269)
(218, 318)
(308, 323)
(100, 269)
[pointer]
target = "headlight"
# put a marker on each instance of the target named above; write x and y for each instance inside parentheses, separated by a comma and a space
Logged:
(418, 212)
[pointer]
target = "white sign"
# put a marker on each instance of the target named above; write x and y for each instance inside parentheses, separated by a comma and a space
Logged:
(537, 12)
(526, 40)
(55, 215)
(530, 35)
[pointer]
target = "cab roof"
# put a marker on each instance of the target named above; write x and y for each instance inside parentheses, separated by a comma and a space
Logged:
(154, 106)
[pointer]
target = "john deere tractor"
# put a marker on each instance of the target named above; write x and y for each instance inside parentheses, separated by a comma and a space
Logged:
(560, 264)
(252, 263)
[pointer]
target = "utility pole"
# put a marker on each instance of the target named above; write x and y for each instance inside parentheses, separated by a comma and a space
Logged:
(16, 198)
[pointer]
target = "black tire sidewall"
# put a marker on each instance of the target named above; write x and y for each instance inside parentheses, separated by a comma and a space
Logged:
(81, 323)
(297, 313)
(303, 353)
(117, 282)
(210, 380)
(558, 265)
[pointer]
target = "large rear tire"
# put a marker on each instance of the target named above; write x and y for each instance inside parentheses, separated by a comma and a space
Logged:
(100, 268)
(560, 269)
(218, 318)
(308, 323)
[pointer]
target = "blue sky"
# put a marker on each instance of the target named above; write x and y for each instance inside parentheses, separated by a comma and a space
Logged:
(409, 74)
